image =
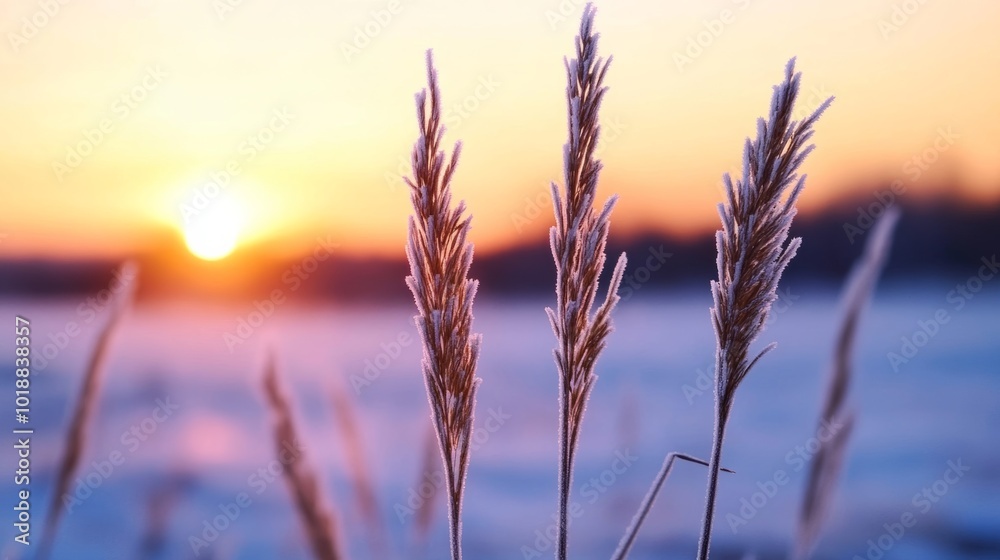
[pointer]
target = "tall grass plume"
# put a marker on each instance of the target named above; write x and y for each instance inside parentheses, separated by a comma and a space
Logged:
(440, 255)
(824, 470)
(578, 242)
(753, 251)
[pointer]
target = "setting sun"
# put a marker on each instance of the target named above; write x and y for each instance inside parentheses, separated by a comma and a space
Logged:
(214, 233)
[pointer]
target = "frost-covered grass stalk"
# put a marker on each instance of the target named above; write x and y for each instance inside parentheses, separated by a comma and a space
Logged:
(578, 246)
(827, 462)
(440, 255)
(316, 515)
(753, 251)
(86, 403)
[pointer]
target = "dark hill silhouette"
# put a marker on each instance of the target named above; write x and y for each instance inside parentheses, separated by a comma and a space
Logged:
(933, 238)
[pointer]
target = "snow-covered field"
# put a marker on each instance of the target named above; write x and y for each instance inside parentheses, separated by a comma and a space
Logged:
(930, 422)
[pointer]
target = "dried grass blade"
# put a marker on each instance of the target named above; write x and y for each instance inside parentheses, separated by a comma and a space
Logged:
(86, 403)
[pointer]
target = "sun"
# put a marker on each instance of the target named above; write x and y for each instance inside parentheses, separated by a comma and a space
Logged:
(213, 233)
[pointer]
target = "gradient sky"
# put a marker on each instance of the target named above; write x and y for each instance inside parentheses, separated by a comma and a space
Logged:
(211, 77)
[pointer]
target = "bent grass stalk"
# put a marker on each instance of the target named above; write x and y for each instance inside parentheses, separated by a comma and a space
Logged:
(647, 503)
(440, 256)
(578, 247)
(828, 461)
(86, 403)
(752, 254)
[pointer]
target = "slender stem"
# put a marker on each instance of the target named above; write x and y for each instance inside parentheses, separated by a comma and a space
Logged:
(565, 471)
(713, 482)
(456, 536)
(454, 511)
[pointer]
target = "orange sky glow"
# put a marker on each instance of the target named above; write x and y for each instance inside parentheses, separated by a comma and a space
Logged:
(118, 114)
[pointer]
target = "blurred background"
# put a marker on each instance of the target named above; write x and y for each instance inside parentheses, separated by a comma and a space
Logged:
(249, 156)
